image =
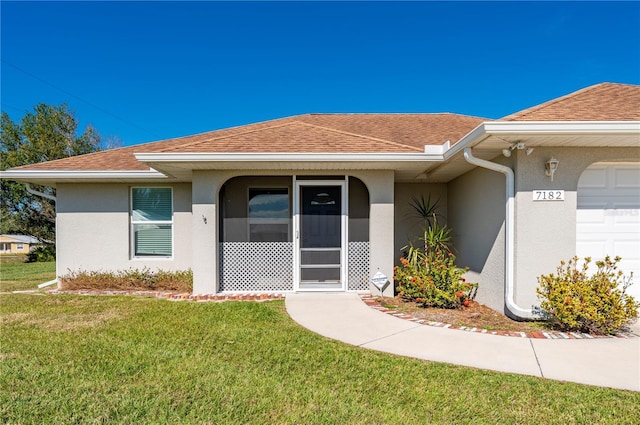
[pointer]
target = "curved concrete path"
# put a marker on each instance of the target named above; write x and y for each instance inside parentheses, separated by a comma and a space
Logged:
(606, 362)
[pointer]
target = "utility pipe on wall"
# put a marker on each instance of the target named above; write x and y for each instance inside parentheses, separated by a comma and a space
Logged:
(509, 269)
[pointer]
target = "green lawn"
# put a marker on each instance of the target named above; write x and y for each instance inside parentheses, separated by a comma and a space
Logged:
(81, 359)
(24, 276)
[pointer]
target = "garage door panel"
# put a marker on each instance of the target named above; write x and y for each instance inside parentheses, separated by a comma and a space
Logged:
(594, 178)
(626, 178)
(627, 249)
(608, 216)
(591, 216)
(596, 249)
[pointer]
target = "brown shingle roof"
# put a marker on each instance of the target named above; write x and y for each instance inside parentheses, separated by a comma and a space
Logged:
(311, 133)
(601, 102)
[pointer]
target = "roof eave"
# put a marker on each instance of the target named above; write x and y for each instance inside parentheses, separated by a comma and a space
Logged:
(51, 177)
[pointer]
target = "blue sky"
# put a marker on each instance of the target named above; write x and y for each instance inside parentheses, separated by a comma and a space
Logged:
(145, 71)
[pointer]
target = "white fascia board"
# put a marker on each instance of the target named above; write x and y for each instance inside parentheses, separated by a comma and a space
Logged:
(54, 175)
(286, 157)
(490, 128)
(562, 127)
(470, 139)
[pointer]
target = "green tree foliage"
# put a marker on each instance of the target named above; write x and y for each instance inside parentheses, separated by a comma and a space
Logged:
(46, 134)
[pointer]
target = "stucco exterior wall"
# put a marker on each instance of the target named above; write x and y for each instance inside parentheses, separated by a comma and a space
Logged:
(408, 226)
(476, 213)
(93, 228)
(546, 230)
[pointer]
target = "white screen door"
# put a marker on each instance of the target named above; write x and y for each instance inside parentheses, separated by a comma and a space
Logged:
(320, 235)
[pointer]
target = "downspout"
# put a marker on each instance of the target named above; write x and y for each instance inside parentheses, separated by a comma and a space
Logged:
(32, 191)
(509, 279)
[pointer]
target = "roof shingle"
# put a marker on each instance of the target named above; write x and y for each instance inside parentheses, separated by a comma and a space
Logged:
(601, 102)
(310, 133)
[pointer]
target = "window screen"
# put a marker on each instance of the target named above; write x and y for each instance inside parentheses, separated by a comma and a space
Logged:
(152, 221)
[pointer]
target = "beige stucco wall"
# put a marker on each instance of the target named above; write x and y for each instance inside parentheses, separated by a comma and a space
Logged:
(476, 213)
(93, 228)
(546, 231)
(408, 226)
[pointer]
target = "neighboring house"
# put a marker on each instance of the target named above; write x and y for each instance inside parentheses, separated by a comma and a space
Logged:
(320, 202)
(17, 244)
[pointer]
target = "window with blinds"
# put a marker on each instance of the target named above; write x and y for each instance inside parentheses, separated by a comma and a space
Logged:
(152, 221)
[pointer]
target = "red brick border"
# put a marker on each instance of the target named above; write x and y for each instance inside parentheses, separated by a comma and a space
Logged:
(370, 300)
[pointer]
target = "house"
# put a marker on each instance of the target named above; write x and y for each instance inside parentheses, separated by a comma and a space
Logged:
(320, 202)
(17, 244)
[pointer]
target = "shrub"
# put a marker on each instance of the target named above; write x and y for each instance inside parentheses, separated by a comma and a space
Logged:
(129, 280)
(42, 254)
(428, 275)
(572, 300)
(435, 281)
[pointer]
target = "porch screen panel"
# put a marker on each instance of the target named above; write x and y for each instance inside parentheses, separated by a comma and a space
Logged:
(152, 221)
(358, 252)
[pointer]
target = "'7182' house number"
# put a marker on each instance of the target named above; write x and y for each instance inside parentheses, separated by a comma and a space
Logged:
(548, 195)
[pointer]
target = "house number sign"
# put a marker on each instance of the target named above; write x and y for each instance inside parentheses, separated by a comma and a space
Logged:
(548, 195)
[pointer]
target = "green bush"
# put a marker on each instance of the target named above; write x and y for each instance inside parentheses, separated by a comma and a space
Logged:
(129, 280)
(598, 303)
(433, 280)
(42, 254)
(428, 275)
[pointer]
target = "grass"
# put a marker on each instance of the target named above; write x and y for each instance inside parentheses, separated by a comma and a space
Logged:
(24, 276)
(82, 359)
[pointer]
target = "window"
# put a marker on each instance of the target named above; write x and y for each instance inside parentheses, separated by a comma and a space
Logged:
(152, 221)
(20, 246)
(269, 217)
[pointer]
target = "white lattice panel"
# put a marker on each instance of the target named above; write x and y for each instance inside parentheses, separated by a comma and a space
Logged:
(358, 266)
(256, 266)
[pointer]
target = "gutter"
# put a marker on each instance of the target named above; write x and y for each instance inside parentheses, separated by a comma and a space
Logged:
(509, 279)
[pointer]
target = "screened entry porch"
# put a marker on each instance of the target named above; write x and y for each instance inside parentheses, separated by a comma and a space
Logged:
(285, 233)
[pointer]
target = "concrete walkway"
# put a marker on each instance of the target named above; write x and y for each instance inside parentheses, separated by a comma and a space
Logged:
(606, 362)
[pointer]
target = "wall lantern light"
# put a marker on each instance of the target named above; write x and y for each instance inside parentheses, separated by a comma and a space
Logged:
(550, 167)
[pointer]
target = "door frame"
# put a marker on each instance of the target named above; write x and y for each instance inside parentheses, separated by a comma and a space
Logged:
(297, 185)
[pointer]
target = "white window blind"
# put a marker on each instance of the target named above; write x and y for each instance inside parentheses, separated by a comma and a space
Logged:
(152, 221)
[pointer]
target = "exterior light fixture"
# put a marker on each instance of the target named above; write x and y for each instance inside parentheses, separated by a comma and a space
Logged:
(516, 145)
(550, 167)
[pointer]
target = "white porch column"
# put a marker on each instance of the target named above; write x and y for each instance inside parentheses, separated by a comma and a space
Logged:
(205, 186)
(381, 218)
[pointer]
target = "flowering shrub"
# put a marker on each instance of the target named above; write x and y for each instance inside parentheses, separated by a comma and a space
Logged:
(131, 279)
(575, 301)
(435, 281)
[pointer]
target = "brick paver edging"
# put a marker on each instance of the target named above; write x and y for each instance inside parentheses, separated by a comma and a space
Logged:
(370, 300)
(180, 297)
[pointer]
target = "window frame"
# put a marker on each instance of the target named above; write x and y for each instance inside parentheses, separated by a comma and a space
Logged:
(288, 220)
(132, 223)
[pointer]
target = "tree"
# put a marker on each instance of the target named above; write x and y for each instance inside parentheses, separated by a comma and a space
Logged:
(47, 133)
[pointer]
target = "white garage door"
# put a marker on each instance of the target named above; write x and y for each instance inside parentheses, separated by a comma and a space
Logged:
(608, 216)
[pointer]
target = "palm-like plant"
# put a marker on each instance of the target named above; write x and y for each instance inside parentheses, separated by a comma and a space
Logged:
(436, 238)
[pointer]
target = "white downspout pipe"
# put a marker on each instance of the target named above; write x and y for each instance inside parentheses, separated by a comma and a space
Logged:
(32, 191)
(509, 269)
